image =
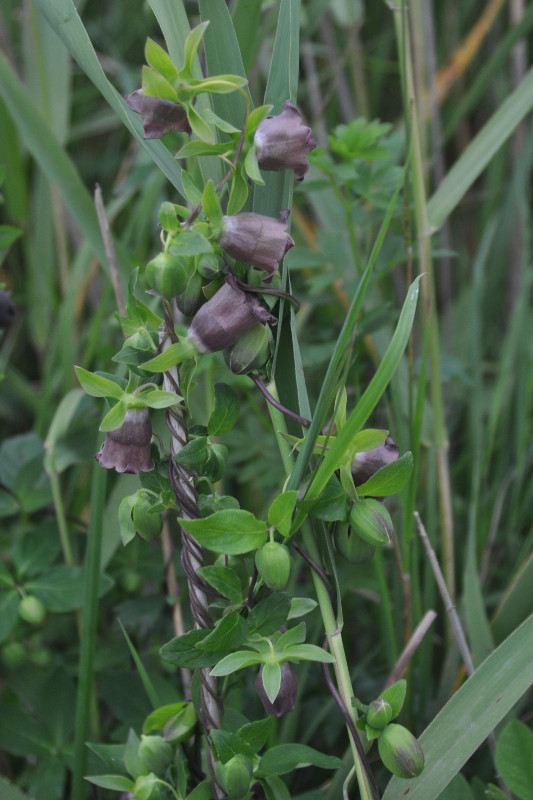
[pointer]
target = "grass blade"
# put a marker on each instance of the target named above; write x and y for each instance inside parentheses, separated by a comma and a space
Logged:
(471, 714)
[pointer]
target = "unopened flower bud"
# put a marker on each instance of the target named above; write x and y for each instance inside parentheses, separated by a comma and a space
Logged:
(282, 142)
(379, 713)
(127, 449)
(256, 239)
(154, 755)
(251, 352)
(273, 562)
(368, 462)
(371, 521)
(221, 321)
(351, 546)
(167, 275)
(400, 751)
(288, 690)
(235, 776)
(159, 116)
(147, 787)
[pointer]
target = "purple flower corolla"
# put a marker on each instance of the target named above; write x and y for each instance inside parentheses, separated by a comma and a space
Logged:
(159, 115)
(256, 239)
(127, 449)
(282, 142)
(368, 462)
(221, 321)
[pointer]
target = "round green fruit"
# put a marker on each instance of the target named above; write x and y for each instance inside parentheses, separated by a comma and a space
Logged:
(400, 751)
(351, 546)
(273, 562)
(32, 610)
(371, 521)
(130, 581)
(14, 655)
(166, 275)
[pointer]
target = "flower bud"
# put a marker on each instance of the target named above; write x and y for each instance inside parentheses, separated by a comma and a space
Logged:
(379, 713)
(154, 755)
(273, 564)
(256, 239)
(235, 776)
(127, 449)
(31, 610)
(400, 751)
(7, 310)
(288, 690)
(282, 142)
(368, 462)
(167, 275)
(251, 352)
(147, 787)
(351, 546)
(159, 116)
(221, 321)
(371, 521)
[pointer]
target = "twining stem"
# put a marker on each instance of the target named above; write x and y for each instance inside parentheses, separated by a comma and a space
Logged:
(333, 632)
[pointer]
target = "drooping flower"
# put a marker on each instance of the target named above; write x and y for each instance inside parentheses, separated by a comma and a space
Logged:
(256, 239)
(159, 115)
(282, 142)
(221, 321)
(288, 691)
(368, 462)
(127, 449)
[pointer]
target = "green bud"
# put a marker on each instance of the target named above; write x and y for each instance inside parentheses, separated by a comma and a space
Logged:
(154, 755)
(32, 610)
(379, 713)
(251, 352)
(130, 581)
(273, 563)
(371, 521)
(400, 752)
(166, 275)
(351, 546)
(41, 656)
(235, 776)
(147, 525)
(147, 787)
(14, 655)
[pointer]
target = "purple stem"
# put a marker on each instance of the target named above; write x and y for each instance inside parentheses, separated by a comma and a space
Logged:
(264, 391)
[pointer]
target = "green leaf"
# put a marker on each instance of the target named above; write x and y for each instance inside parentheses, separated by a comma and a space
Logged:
(119, 783)
(211, 205)
(148, 686)
(390, 479)
(61, 588)
(271, 677)
(229, 633)
(183, 652)
(300, 606)
(280, 511)
(470, 715)
(514, 758)
(395, 695)
(114, 418)
(368, 440)
(331, 506)
(308, 652)
(218, 84)
(225, 412)
(125, 521)
(194, 453)
(268, 615)
(229, 744)
(172, 356)
(157, 398)
(232, 531)
(196, 148)
(252, 167)
(225, 580)
(285, 757)
(238, 193)
(168, 717)
(199, 125)
(168, 217)
(98, 386)
(234, 662)
(155, 85)
(291, 637)
(190, 243)
(10, 792)
(256, 734)
(192, 43)
(274, 786)
(160, 60)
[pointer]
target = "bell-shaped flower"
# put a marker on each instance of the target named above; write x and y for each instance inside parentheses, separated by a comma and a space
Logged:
(288, 691)
(256, 239)
(159, 115)
(221, 321)
(282, 142)
(368, 462)
(127, 449)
